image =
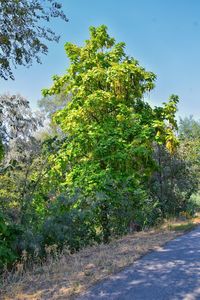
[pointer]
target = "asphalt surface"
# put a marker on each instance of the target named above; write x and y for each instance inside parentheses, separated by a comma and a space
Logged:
(170, 273)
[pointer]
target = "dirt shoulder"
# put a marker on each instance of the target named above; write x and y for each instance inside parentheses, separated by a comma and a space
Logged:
(65, 276)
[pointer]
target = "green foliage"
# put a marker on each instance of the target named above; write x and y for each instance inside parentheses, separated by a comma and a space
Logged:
(110, 128)
(183, 227)
(66, 225)
(189, 135)
(49, 105)
(189, 128)
(1, 150)
(189, 151)
(21, 171)
(106, 160)
(8, 234)
(23, 31)
(173, 183)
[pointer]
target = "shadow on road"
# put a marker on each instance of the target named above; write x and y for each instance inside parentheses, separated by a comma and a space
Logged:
(172, 272)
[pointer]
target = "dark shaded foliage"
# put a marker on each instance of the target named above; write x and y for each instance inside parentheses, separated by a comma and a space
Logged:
(23, 32)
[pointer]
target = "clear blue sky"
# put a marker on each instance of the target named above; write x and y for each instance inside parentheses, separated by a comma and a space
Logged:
(164, 35)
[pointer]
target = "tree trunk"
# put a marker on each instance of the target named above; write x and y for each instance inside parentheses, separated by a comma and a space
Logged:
(105, 222)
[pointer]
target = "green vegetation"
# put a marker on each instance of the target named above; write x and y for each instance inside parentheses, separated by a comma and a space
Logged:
(23, 32)
(106, 162)
(182, 227)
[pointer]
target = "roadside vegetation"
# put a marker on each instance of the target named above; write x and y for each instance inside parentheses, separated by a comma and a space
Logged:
(63, 275)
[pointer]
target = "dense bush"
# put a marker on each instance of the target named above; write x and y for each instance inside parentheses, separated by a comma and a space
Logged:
(173, 183)
(8, 246)
(69, 226)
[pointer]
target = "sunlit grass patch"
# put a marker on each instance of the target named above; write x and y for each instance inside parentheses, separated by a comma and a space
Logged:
(182, 227)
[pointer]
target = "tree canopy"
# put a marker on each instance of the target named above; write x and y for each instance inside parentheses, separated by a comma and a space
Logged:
(110, 128)
(23, 32)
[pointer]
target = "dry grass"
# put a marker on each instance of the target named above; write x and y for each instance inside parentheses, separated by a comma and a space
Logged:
(65, 276)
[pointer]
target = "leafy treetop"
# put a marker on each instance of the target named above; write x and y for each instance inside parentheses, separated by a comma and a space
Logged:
(110, 128)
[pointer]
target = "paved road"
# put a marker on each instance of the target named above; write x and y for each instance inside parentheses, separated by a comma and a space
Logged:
(171, 273)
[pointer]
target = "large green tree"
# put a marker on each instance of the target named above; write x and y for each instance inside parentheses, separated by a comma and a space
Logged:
(24, 31)
(110, 129)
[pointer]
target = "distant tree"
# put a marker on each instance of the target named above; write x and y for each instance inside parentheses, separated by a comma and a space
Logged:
(51, 104)
(23, 32)
(189, 134)
(189, 128)
(177, 176)
(17, 125)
